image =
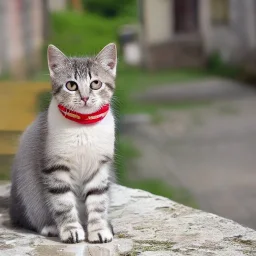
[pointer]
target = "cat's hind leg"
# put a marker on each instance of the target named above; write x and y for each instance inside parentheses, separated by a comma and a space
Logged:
(62, 203)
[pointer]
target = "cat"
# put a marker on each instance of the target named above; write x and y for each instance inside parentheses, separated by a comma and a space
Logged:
(62, 172)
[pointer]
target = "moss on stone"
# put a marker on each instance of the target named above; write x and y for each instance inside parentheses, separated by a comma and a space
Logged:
(139, 228)
(123, 235)
(152, 245)
(6, 247)
(133, 253)
(245, 242)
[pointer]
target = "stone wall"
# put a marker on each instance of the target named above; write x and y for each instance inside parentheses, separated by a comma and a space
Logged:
(175, 54)
(145, 225)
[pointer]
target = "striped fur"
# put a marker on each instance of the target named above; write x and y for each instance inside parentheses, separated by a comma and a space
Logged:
(62, 172)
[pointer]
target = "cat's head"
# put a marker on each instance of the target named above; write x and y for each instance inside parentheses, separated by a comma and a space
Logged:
(83, 84)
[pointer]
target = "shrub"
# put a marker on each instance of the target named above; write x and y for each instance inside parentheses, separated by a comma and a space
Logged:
(107, 8)
(215, 61)
(217, 66)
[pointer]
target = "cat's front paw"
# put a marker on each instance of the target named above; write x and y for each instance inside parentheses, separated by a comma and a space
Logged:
(49, 231)
(100, 236)
(72, 234)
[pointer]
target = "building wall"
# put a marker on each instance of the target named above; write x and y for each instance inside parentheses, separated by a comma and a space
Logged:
(157, 20)
(21, 36)
(3, 35)
(251, 21)
(37, 32)
(234, 39)
(162, 47)
(57, 5)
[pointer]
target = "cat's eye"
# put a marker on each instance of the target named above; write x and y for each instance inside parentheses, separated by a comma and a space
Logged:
(96, 85)
(72, 86)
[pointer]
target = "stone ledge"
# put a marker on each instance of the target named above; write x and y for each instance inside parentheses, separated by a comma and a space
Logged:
(145, 225)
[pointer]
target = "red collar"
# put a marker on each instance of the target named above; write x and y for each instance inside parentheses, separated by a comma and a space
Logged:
(84, 118)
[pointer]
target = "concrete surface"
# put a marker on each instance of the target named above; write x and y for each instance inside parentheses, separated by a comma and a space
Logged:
(145, 225)
(208, 150)
(203, 90)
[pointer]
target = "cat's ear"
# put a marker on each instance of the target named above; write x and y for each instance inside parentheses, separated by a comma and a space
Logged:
(108, 58)
(56, 59)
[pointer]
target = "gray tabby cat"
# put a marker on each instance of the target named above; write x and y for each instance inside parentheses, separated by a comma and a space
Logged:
(62, 171)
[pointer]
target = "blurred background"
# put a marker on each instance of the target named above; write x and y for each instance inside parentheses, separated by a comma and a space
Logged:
(185, 98)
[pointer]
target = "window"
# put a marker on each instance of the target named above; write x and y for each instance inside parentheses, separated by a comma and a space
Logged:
(220, 12)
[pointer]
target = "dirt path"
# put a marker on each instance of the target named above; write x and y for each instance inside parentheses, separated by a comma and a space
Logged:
(210, 150)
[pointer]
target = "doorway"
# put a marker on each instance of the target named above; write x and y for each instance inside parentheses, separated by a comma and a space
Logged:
(186, 16)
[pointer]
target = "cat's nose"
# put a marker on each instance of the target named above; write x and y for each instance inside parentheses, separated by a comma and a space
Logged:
(85, 99)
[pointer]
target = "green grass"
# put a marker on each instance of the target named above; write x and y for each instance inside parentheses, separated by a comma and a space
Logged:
(125, 154)
(134, 80)
(43, 100)
(5, 166)
(159, 187)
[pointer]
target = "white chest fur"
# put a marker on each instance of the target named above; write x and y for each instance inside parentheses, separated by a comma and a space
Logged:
(82, 146)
